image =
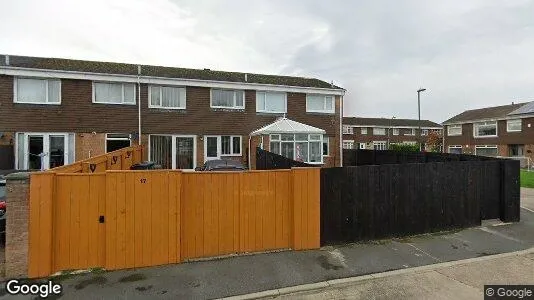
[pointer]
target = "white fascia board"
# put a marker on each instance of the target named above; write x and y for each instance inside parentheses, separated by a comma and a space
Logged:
(28, 72)
(510, 117)
(400, 127)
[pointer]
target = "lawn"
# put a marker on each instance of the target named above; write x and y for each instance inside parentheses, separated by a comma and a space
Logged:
(527, 179)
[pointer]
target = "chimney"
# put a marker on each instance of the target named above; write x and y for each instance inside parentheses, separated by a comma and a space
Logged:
(246, 77)
(206, 69)
(7, 60)
(138, 70)
(512, 102)
(332, 83)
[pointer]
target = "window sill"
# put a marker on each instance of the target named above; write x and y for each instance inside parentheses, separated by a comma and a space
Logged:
(227, 108)
(38, 103)
(321, 112)
(271, 112)
(106, 103)
(167, 108)
(231, 155)
(513, 130)
(485, 136)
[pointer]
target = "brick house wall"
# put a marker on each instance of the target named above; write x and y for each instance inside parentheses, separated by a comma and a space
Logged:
(403, 136)
(90, 121)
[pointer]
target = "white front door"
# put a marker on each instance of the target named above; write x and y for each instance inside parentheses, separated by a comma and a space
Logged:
(212, 147)
(173, 151)
(41, 151)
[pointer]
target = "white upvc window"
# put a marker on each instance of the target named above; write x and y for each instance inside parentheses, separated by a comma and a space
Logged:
(395, 131)
(326, 146)
(113, 93)
(380, 145)
(453, 130)
(348, 129)
(424, 132)
(513, 125)
(166, 97)
(320, 104)
(230, 145)
(348, 144)
(300, 147)
(486, 150)
(37, 91)
(363, 145)
(230, 99)
(485, 129)
(271, 102)
(364, 130)
(379, 131)
(411, 131)
(455, 149)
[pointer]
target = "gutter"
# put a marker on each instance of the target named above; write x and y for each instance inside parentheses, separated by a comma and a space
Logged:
(139, 106)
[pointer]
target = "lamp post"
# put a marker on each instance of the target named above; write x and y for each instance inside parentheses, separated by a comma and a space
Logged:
(389, 129)
(419, 114)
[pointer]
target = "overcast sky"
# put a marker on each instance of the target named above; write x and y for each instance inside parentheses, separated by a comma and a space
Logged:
(467, 53)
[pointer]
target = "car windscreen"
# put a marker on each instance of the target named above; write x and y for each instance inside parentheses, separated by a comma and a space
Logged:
(2, 190)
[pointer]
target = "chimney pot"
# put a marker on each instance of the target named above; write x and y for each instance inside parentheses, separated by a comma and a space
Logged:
(7, 60)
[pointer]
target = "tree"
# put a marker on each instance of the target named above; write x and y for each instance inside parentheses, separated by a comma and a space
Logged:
(435, 141)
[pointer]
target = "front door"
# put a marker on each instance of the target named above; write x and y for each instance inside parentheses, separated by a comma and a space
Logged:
(212, 148)
(35, 152)
(185, 152)
(42, 151)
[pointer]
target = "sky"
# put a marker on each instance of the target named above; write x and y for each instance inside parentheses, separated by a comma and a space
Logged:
(467, 53)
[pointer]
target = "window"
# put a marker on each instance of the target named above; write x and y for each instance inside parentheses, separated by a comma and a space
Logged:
(326, 146)
(516, 150)
(454, 130)
(364, 130)
(114, 93)
(348, 129)
(410, 131)
(379, 131)
(513, 125)
(37, 91)
(455, 149)
(486, 150)
(424, 132)
(271, 102)
(485, 129)
(320, 103)
(116, 141)
(347, 144)
(230, 145)
(379, 145)
(395, 131)
(41, 151)
(301, 147)
(363, 146)
(166, 97)
(231, 99)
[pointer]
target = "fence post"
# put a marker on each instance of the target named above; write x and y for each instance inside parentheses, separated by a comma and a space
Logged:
(510, 191)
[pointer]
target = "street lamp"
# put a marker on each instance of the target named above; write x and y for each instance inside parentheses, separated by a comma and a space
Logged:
(389, 129)
(419, 113)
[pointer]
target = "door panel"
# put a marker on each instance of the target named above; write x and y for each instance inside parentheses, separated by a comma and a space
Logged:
(185, 147)
(56, 151)
(35, 150)
(212, 149)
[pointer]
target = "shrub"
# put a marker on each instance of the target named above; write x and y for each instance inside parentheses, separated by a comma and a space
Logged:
(404, 147)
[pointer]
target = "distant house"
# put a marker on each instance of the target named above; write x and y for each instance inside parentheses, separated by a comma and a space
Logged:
(379, 133)
(506, 130)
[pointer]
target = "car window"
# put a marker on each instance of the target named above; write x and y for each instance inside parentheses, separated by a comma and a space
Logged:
(2, 191)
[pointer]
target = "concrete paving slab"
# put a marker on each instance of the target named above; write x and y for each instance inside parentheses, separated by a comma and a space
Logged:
(507, 270)
(527, 198)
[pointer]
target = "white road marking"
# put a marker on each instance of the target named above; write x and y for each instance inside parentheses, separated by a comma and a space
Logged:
(485, 229)
(532, 211)
(424, 252)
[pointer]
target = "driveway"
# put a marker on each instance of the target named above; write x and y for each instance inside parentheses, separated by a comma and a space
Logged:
(527, 198)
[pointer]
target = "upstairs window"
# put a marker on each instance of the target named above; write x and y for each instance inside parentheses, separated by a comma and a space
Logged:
(410, 131)
(485, 129)
(114, 93)
(271, 102)
(166, 97)
(453, 130)
(37, 91)
(231, 99)
(395, 131)
(424, 132)
(513, 125)
(379, 131)
(364, 130)
(320, 103)
(347, 129)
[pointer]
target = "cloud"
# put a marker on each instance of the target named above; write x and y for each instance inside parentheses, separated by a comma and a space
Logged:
(467, 54)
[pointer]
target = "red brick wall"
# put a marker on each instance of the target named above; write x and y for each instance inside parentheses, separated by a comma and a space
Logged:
(17, 195)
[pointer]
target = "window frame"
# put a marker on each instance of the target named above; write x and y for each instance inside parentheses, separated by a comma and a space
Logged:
(454, 147)
(515, 120)
(115, 82)
(350, 129)
(485, 123)
(424, 132)
(396, 131)
(362, 144)
(454, 127)
(161, 97)
(486, 147)
(332, 110)
(411, 133)
(234, 107)
(326, 141)
(16, 86)
(219, 140)
(294, 141)
(377, 128)
(265, 102)
(363, 130)
(348, 142)
(380, 143)
(108, 138)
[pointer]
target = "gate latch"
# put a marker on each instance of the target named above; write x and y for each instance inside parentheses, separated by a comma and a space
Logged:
(101, 219)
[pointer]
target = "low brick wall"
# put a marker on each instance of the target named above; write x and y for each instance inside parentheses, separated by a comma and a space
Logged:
(17, 200)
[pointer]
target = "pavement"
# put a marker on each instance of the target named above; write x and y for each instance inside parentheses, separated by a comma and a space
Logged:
(242, 275)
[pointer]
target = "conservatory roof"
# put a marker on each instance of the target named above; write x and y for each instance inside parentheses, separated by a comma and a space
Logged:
(285, 125)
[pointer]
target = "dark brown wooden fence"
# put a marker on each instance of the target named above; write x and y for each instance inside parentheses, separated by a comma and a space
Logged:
(266, 160)
(380, 201)
(361, 157)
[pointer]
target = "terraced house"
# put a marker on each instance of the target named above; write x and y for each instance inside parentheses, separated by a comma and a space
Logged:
(55, 111)
(379, 133)
(506, 130)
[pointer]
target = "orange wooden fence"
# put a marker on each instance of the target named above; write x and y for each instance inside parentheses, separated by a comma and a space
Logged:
(121, 159)
(129, 219)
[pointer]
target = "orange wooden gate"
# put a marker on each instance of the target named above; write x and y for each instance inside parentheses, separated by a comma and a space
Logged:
(129, 219)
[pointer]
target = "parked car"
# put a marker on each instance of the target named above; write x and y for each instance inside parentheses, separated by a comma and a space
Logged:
(2, 209)
(221, 165)
(146, 165)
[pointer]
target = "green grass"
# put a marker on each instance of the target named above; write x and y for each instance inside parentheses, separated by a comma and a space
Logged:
(527, 179)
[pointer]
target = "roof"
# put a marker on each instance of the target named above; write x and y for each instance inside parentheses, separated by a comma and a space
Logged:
(495, 112)
(61, 64)
(285, 125)
(525, 109)
(387, 122)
